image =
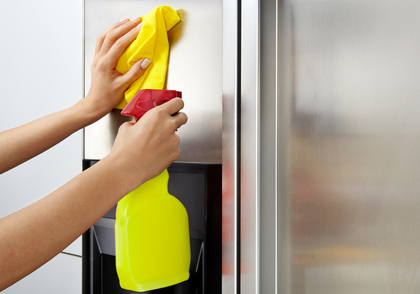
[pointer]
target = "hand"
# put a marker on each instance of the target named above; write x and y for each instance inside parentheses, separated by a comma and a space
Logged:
(107, 85)
(144, 149)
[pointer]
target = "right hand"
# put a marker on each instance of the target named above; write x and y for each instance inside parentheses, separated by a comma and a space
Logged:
(144, 149)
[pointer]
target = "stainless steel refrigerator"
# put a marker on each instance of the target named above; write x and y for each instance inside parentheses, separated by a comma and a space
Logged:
(312, 109)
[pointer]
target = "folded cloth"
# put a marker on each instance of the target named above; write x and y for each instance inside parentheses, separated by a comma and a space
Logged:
(151, 43)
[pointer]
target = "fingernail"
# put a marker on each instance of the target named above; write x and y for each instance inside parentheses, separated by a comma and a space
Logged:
(145, 63)
(140, 25)
(124, 20)
(136, 19)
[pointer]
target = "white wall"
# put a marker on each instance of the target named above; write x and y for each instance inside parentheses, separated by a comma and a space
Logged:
(62, 275)
(41, 57)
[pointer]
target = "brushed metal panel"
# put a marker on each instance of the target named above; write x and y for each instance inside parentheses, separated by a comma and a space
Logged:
(195, 68)
(354, 146)
(274, 244)
(230, 149)
(250, 147)
(285, 82)
(268, 92)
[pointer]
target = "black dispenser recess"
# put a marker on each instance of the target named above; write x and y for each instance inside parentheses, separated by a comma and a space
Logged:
(199, 188)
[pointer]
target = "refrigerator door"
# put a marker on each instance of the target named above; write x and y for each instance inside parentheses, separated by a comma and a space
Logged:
(329, 137)
(351, 142)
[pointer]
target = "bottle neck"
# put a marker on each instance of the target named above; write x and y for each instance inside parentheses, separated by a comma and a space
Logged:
(157, 185)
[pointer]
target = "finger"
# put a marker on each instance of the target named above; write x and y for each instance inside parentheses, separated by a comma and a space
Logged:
(135, 72)
(121, 44)
(180, 119)
(172, 106)
(113, 35)
(100, 39)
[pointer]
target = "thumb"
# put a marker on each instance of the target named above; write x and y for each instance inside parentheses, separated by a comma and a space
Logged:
(135, 72)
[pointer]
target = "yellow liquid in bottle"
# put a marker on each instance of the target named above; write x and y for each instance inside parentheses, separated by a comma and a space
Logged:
(152, 243)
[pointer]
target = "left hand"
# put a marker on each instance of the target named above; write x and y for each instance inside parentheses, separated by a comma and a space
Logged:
(107, 85)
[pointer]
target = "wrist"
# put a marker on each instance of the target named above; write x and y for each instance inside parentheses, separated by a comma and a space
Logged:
(129, 179)
(87, 112)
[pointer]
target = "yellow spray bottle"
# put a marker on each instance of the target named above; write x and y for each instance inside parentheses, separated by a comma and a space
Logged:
(152, 244)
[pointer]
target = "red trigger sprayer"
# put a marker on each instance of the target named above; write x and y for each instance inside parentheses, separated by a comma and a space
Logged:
(147, 99)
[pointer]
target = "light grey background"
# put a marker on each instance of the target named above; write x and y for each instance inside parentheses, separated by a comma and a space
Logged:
(41, 54)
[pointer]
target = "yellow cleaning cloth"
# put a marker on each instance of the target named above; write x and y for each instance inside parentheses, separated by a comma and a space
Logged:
(151, 43)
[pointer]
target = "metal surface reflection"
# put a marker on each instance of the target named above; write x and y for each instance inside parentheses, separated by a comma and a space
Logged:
(354, 146)
(195, 68)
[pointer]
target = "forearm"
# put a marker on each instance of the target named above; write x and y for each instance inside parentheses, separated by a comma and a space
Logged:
(107, 89)
(35, 234)
(24, 142)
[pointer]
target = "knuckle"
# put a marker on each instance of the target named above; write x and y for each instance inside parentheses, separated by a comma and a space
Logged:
(124, 126)
(102, 64)
(177, 140)
(176, 154)
(109, 37)
(184, 117)
(100, 37)
(159, 112)
(119, 44)
(173, 125)
(181, 102)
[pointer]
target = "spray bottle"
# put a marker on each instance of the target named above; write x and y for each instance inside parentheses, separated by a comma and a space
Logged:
(152, 244)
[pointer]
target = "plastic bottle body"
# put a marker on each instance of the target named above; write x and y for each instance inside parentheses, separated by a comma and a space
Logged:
(152, 244)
